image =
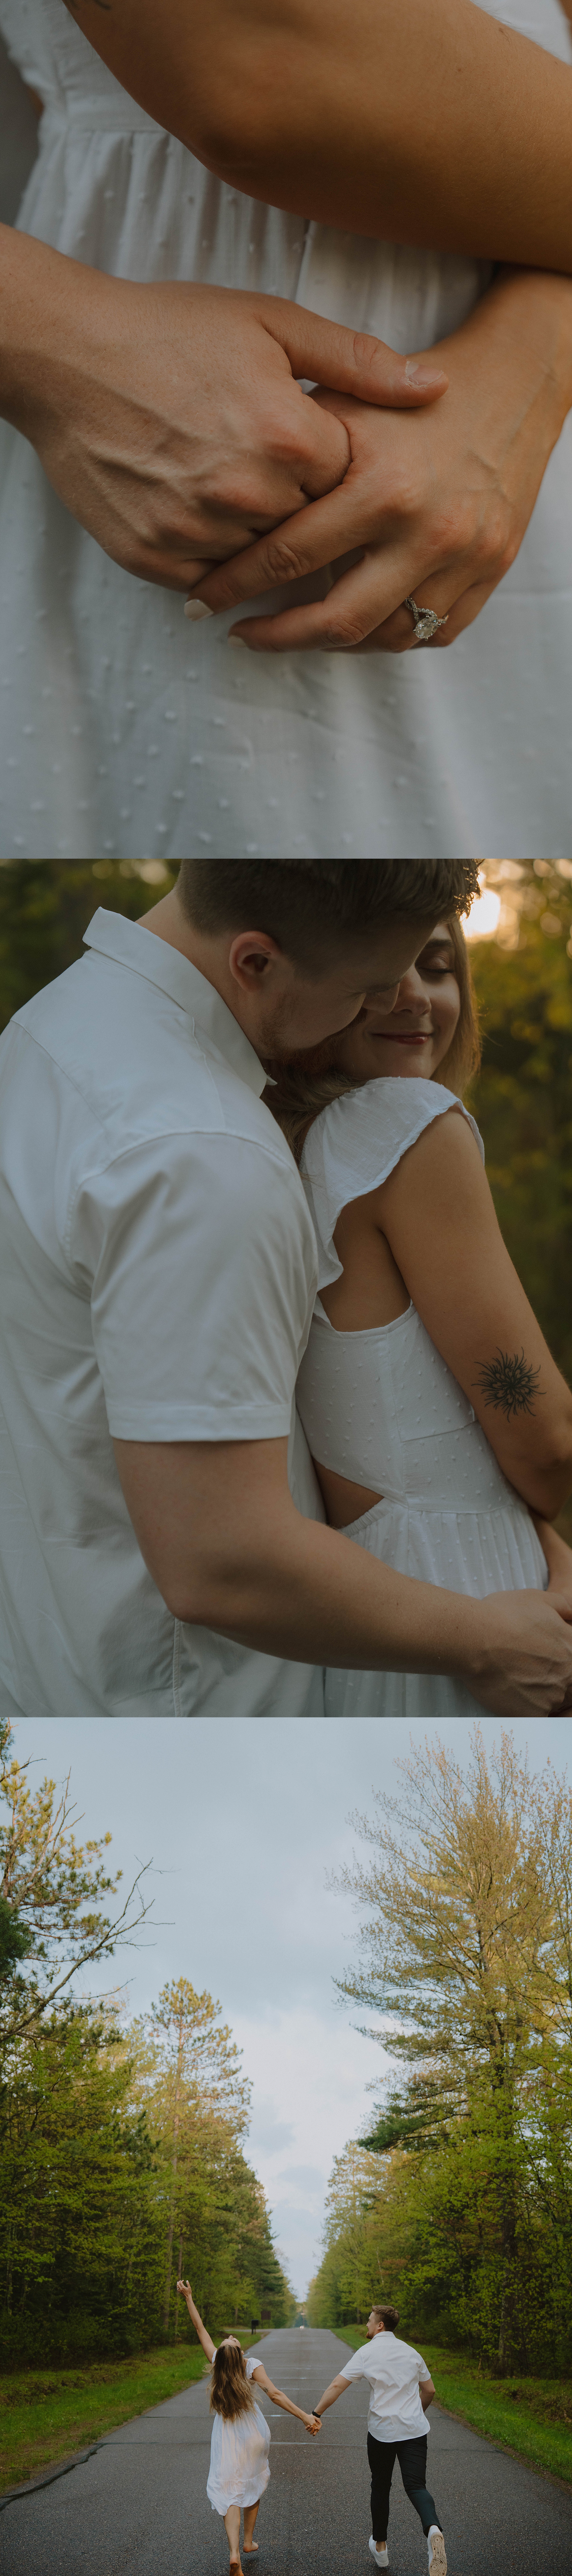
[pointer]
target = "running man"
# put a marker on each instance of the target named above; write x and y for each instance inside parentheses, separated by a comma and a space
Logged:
(401, 2391)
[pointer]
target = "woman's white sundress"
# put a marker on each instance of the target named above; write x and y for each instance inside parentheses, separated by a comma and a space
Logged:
(239, 2470)
(125, 731)
(382, 1408)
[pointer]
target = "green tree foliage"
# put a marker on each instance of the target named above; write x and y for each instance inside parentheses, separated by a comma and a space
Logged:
(522, 1099)
(45, 906)
(81, 2216)
(462, 2206)
(50, 1897)
(121, 2156)
(194, 2078)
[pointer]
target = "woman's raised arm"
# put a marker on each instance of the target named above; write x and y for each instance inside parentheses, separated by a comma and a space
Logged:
(434, 125)
(205, 2338)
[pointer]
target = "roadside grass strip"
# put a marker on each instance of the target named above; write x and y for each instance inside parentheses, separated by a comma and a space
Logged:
(532, 2417)
(47, 2414)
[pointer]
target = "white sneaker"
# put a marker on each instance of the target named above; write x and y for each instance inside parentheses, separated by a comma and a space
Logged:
(436, 2552)
(380, 2555)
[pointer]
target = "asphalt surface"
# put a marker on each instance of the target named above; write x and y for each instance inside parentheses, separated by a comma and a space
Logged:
(139, 2507)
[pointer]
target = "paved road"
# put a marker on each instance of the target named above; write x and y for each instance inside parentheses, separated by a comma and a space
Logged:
(139, 2508)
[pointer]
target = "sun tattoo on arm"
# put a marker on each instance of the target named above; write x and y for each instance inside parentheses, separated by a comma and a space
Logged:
(508, 1383)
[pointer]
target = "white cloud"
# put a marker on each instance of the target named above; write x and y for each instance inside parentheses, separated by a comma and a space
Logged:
(244, 1818)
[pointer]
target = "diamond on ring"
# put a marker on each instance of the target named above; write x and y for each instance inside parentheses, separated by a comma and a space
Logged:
(426, 621)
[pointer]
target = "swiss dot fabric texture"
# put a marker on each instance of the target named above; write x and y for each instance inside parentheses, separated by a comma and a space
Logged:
(239, 2466)
(383, 1409)
(125, 731)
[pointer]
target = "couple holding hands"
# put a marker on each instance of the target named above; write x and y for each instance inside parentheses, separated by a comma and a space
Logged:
(401, 2390)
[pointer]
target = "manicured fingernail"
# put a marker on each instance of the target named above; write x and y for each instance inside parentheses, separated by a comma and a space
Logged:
(195, 608)
(237, 639)
(422, 375)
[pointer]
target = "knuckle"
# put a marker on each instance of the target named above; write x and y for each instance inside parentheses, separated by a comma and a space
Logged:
(451, 532)
(401, 497)
(344, 631)
(282, 561)
(284, 442)
(366, 351)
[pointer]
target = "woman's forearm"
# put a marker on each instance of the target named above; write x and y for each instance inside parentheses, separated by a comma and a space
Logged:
(435, 126)
(206, 2339)
(287, 2404)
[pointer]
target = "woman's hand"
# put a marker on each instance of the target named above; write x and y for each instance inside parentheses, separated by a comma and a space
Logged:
(437, 504)
(185, 2288)
(169, 418)
(312, 2423)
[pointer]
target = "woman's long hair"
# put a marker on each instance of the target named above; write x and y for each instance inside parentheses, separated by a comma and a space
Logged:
(297, 1097)
(231, 2393)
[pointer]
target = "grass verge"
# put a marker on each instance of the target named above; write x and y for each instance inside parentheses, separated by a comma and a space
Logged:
(47, 2414)
(532, 2417)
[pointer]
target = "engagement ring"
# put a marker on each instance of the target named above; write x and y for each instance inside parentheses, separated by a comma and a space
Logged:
(426, 621)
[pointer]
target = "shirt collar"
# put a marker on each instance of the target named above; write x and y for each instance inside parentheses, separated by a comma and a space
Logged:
(126, 941)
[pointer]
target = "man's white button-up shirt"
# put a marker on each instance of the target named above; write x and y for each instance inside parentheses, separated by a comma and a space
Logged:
(157, 1278)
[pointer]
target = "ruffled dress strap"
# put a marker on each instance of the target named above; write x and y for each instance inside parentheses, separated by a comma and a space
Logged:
(354, 1145)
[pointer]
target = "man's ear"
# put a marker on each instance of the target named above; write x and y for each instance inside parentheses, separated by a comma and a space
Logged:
(250, 955)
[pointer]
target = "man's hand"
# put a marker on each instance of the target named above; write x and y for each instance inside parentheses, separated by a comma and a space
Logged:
(437, 504)
(223, 1541)
(168, 417)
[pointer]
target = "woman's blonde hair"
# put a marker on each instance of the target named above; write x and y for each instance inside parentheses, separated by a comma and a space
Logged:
(296, 1097)
(231, 2393)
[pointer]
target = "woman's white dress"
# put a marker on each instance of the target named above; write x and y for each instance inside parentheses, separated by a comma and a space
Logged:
(125, 731)
(383, 1409)
(239, 2469)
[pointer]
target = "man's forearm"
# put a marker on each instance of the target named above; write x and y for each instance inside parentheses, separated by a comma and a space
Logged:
(305, 1592)
(436, 126)
(228, 1550)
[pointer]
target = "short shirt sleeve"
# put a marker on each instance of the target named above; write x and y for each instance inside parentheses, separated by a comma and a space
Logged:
(354, 1145)
(254, 2362)
(355, 2368)
(199, 1259)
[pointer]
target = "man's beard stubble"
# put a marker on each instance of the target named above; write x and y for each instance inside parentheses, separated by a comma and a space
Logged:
(312, 1060)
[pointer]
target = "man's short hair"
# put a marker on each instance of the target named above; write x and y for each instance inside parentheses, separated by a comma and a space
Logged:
(388, 2317)
(313, 907)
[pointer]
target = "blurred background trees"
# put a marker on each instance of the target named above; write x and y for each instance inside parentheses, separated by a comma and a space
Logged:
(523, 1097)
(121, 2145)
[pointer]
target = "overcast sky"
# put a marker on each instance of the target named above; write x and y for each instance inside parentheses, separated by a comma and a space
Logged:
(243, 1820)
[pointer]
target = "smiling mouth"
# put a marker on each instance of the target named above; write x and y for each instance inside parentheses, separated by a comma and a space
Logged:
(398, 1037)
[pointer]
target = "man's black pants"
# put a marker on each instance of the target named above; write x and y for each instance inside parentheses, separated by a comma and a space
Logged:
(412, 2458)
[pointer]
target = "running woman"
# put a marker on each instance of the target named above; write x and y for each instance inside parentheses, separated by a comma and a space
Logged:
(239, 2469)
